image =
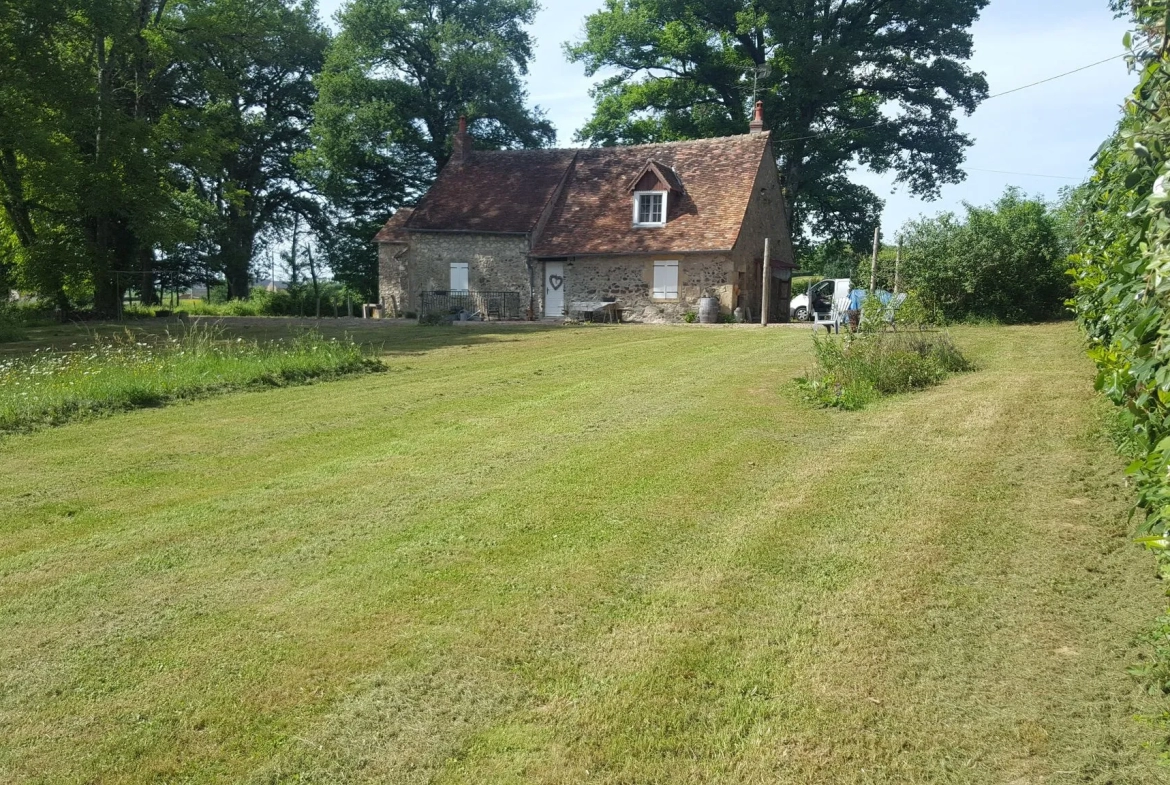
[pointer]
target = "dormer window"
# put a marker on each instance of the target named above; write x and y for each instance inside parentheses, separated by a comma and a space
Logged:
(650, 208)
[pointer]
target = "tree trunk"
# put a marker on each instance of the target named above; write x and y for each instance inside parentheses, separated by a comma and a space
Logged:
(316, 288)
(793, 171)
(12, 196)
(147, 286)
(236, 250)
(293, 255)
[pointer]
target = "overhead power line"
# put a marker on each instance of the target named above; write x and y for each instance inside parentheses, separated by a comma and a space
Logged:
(1058, 76)
(1024, 174)
(990, 97)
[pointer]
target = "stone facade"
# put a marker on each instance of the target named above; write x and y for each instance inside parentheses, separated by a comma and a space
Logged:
(496, 263)
(630, 281)
(416, 260)
(766, 218)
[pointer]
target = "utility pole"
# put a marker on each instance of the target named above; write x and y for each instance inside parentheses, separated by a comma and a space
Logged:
(898, 267)
(877, 244)
(766, 299)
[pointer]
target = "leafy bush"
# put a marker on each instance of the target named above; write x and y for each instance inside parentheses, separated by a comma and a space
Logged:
(11, 329)
(857, 370)
(1001, 263)
(690, 317)
(299, 300)
(1122, 277)
(861, 367)
(50, 387)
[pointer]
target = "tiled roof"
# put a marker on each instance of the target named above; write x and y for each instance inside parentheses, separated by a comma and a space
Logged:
(594, 214)
(509, 191)
(504, 192)
(393, 231)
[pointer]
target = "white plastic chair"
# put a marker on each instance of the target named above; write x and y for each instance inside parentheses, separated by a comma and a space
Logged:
(834, 318)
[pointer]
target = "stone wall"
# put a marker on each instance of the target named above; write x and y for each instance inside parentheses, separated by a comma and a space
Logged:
(392, 279)
(500, 264)
(495, 264)
(766, 218)
(630, 280)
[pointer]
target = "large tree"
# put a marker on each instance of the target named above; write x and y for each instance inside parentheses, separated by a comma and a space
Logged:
(874, 83)
(249, 68)
(396, 80)
(85, 186)
(150, 136)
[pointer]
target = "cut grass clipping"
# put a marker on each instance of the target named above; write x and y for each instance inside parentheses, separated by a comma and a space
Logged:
(50, 387)
(855, 371)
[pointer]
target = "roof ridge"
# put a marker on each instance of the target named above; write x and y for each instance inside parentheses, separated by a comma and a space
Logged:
(675, 143)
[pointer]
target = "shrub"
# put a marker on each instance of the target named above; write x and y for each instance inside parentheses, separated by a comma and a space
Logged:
(860, 368)
(1004, 263)
(50, 387)
(11, 329)
(690, 317)
(1122, 277)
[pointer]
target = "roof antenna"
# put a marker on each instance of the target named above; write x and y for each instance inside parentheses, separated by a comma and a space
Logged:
(759, 72)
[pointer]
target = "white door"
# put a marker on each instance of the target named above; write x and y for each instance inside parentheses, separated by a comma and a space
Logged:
(554, 289)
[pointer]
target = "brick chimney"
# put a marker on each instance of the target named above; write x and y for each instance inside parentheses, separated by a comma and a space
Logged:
(757, 125)
(463, 143)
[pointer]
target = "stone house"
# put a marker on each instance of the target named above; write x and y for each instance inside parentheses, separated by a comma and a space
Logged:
(652, 228)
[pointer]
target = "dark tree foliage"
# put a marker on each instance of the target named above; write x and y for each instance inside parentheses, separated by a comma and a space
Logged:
(396, 80)
(249, 65)
(141, 139)
(853, 82)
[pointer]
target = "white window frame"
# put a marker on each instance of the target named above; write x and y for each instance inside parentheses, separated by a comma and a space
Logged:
(664, 291)
(466, 269)
(638, 204)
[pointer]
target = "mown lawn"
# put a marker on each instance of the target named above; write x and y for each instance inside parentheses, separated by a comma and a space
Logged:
(612, 555)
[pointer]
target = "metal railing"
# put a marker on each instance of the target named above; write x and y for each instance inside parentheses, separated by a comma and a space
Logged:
(489, 306)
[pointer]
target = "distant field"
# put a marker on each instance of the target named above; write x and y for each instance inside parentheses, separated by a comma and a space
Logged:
(611, 555)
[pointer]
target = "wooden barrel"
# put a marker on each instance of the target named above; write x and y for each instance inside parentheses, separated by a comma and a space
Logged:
(709, 310)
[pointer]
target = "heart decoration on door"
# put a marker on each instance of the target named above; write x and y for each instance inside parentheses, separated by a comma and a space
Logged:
(556, 282)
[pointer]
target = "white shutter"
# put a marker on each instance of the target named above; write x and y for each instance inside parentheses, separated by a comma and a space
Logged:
(459, 277)
(666, 280)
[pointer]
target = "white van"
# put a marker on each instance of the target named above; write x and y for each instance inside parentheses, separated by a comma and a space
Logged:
(823, 293)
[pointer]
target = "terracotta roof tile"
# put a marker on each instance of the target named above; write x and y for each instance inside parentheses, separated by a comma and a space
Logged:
(509, 191)
(594, 214)
(503, 191)
(393, 231)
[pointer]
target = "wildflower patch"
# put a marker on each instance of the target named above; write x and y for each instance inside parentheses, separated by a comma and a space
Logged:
(50, 386)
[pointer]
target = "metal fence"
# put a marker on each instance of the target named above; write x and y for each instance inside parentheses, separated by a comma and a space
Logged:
(487, 305)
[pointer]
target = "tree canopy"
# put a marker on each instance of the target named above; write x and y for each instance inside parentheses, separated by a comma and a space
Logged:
(853, 82)
(151, 142)
(147, 137)
(396, 81)
(1005, 261)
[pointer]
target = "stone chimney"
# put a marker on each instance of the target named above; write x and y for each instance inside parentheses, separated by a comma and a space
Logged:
(757, 125)
(463, 144)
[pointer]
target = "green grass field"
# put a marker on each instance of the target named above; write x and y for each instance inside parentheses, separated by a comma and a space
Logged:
(611, 555)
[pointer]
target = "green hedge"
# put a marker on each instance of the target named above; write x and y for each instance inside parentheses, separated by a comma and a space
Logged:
(1122, 277)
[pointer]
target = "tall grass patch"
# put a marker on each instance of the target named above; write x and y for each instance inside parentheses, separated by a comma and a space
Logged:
(853, 372)
(50, 386)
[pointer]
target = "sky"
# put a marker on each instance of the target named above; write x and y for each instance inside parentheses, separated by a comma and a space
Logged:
(1050, 130)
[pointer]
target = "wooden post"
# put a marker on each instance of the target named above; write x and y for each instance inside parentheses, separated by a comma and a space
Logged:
(877, 244)
(767, 289)
(898, 267)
